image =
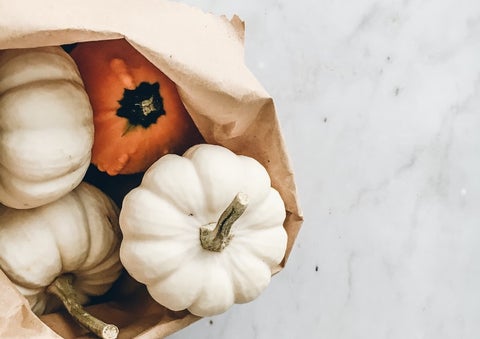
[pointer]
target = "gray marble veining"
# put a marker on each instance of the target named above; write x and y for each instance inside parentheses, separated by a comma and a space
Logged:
(379, 102)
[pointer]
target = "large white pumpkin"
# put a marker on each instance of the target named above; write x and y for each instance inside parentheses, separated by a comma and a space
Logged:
(168, 222)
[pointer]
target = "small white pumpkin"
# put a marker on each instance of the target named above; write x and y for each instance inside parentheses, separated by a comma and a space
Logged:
(204, 230)
(46, 126)
(68, 248)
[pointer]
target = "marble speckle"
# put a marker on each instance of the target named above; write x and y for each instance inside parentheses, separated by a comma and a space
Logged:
(379, 102)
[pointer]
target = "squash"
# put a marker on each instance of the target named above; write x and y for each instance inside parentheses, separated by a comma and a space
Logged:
(204, 230)
(68, 248)
(46, 126)
(138, 114)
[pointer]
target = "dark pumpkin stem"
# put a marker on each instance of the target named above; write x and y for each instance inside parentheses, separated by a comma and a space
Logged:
(217, 239)
(62, 287)
(141, 106)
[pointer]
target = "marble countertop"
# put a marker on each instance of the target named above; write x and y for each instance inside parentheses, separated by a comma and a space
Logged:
(379, 103)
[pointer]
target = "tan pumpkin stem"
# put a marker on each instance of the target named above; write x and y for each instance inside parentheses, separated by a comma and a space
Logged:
(62, 287)
(218, 238)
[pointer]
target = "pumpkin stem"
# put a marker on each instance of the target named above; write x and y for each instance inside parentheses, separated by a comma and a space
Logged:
(62, 287)
(218, 238)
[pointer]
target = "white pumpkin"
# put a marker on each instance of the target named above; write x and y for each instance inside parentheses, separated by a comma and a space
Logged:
(46, 126)
(169, 242)
(74, 239)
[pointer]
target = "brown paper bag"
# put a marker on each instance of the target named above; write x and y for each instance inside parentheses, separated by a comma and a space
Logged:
(204, 55)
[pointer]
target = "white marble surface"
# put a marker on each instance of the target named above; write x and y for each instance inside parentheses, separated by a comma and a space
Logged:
(379, 103)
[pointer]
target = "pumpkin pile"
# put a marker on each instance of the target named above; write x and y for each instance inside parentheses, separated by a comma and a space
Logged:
(103, 171)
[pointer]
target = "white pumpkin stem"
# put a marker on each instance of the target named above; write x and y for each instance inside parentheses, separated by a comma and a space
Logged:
(62, 287)
(218, 238)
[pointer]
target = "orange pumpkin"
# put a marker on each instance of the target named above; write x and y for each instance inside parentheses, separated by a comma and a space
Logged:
(138, 114)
